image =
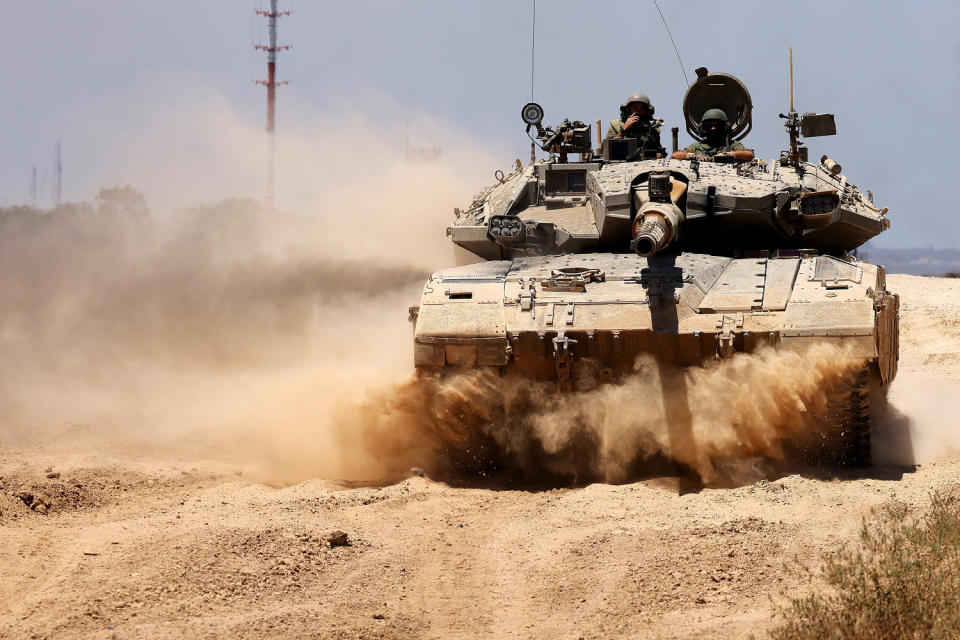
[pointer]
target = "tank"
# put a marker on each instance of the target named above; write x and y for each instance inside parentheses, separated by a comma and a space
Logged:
(614, 255)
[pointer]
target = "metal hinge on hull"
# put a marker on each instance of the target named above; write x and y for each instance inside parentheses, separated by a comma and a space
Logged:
(728, 326)
(527, 297)
(563, 361)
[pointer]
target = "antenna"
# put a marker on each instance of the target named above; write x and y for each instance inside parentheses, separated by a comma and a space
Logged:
(533, 46)
(33, 187)
(667, 27)
(271, 82)
(533, 51)
(792, 125)
(791, 78)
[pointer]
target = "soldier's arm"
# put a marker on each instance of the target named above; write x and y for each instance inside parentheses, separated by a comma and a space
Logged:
(687, 153)
(614, 130)
(741, 154)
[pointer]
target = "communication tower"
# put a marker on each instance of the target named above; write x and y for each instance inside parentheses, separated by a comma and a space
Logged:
(271, 83)
(420, 154)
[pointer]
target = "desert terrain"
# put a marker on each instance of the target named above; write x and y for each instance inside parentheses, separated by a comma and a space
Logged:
(112, 532)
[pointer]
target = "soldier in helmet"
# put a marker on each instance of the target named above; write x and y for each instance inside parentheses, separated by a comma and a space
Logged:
(636, 121)
(716, 143)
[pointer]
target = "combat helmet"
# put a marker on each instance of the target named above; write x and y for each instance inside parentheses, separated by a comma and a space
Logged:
(715, 114)
(638, 97)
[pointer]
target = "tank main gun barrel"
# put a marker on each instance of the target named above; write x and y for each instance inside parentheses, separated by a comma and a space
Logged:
(656, 226)
(658, 218)
(650, 236)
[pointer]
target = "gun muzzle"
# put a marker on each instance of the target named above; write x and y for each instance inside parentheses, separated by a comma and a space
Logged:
(657, 225)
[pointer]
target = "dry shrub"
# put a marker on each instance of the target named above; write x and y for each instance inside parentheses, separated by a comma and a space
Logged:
(900, 580)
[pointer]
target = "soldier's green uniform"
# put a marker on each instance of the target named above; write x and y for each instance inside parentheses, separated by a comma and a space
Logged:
(718, 145)
(710, 151)
(646, 133)
(616, 126)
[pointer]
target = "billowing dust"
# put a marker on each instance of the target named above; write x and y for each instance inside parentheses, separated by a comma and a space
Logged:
(218, 326)
(724, 421)
(223, 329)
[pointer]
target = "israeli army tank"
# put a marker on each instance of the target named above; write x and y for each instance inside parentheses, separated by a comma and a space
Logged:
(615, 253)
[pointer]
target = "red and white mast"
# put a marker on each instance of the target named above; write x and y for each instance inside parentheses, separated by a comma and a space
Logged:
(271, 82)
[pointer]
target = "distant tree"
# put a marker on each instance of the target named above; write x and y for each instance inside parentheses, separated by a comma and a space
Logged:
(19, 210)
(122, 201)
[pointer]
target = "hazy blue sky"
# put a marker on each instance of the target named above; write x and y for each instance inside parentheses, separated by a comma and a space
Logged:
(889, 71)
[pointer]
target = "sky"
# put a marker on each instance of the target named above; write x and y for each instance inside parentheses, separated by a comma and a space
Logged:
(176, 77)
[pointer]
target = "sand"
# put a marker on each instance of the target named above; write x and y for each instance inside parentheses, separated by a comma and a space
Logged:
(131, 540)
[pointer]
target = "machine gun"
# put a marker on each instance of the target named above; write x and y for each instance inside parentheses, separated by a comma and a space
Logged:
(568, 137)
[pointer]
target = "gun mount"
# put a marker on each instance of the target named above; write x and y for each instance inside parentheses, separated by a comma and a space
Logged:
(566, 138)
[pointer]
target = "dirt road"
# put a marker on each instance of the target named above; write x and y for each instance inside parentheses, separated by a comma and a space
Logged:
(127, 541)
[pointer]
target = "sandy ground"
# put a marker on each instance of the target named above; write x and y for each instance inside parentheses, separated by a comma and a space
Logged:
(127, 542)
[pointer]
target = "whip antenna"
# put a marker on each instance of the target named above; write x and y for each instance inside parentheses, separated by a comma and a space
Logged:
(667, 27)
(791, 78)
(533, 52)
(533, 46)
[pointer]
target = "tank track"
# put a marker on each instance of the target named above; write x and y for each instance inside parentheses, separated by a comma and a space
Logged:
(844, 428)
(854, 422)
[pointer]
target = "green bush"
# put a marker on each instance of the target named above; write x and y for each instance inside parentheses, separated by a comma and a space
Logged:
(900, 580)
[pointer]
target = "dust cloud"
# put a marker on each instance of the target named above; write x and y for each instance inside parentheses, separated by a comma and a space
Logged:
(227, 329)
(724, 421)
(925, 418)
(206, 323)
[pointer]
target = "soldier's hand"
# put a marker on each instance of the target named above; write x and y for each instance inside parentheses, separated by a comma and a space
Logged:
(632, 120)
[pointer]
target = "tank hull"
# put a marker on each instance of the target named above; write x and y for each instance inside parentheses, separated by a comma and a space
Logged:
(545, 317)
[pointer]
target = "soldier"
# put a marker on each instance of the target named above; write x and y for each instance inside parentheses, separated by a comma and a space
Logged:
(636, 121)
(716, 145)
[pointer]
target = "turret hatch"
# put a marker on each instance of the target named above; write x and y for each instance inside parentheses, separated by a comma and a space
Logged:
(718, 91)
